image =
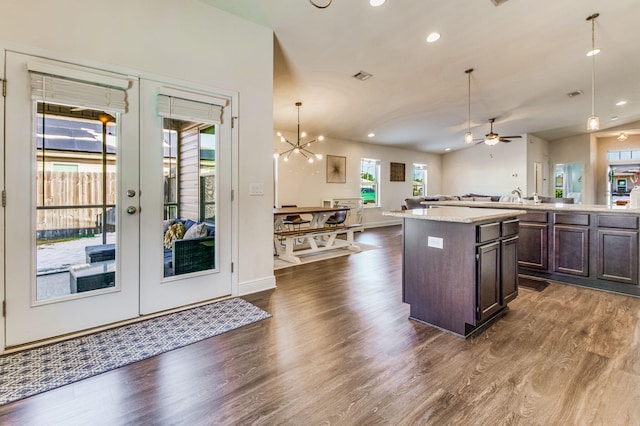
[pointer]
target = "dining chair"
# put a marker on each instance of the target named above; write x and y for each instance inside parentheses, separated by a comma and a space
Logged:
(294, 220)
(337, 218)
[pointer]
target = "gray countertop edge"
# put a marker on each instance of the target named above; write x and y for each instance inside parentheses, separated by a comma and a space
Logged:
(531, 206)
(455, 214)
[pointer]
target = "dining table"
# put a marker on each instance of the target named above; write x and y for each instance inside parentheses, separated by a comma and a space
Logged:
(290, 244)
(319, 215)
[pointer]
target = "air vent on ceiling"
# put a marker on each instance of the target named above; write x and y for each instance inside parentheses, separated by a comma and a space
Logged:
(575, 93)
(363, 75)
(498, 2)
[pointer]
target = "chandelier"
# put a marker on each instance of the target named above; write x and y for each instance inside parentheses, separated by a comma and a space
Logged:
(593, 122)
(298, 147)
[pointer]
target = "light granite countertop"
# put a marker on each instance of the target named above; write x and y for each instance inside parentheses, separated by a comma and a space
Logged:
(529, 205)
(455, 214)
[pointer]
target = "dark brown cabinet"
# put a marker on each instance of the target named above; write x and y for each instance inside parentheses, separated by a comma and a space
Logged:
(509, 268)
(489, 288)
(571, 249)
(533, 251)
(459, 276)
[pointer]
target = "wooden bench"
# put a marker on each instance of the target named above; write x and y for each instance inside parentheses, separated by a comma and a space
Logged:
(318, 239)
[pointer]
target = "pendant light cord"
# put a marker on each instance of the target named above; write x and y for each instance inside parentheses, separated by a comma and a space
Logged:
(469, 102)
(593, 64)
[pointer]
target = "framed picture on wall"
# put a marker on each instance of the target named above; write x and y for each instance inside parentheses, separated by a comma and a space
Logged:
(336, 169)
(397, 172)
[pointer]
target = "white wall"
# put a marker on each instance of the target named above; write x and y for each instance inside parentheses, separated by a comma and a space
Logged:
(574, 149)
(604, 145)
(486, 170)
(185, 40)
(537, 152)
(305, 184)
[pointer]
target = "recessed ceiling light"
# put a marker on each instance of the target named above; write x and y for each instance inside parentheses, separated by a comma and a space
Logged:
(433, 37)
(371, 134)
(621, 103)
(593, 52)
(447, 149)
(376, 3)
(614, 118)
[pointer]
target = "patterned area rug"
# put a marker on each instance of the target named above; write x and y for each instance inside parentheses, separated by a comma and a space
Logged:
(37, 370)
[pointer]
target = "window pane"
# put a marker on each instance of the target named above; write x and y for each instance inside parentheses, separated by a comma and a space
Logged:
(189, 173)
(369, 178)
(75, 199)
(419, 180)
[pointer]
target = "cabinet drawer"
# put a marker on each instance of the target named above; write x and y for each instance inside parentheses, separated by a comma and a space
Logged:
(617, 221)
(488, 232)
(510, 227)
(571, 219)
(540, 217)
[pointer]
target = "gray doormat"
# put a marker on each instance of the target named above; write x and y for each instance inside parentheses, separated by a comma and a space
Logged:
(537, 285)
(37, 370)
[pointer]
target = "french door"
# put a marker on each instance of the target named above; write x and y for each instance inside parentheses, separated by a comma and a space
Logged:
(97, 165)
(186, 175)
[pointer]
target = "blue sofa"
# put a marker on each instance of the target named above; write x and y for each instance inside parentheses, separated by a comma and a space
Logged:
(191, 255)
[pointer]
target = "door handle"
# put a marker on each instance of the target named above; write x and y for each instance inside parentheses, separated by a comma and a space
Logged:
(131, 210)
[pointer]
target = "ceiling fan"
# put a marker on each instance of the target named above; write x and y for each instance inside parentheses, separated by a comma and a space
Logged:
(493, 138)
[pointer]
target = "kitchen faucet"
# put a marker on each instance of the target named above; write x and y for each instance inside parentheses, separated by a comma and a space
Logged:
(518, 192)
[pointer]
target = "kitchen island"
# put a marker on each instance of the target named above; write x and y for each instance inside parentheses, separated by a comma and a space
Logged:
(593, 246)
(459, 265)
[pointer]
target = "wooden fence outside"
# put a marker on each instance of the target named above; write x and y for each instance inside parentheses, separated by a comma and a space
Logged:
(59, 189)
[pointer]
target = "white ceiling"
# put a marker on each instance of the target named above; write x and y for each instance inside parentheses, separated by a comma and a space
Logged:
(527, 56)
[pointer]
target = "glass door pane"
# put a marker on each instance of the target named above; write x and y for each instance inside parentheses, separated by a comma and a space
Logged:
(75, 200)
(189, 173)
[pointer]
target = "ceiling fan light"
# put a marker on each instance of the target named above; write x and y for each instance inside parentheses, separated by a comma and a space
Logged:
(468, 138)
(492, 140)
(593, 123)
(319, 156)
(296, 150)
(622, 137)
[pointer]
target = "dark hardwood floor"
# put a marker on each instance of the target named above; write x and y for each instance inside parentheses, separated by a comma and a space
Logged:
(339, 349)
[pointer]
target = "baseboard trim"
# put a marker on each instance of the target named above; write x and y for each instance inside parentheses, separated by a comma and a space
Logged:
(254, 286)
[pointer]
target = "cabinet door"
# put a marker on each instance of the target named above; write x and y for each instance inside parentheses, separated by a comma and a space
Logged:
(571, 250)
(618, 255)
(533, 248)
(488, 280)
(509, 270)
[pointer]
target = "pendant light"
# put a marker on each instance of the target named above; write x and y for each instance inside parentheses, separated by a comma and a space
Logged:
(593, 123)
(468, 137)
(299, 147)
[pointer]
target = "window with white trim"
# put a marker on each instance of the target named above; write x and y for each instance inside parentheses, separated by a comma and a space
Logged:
(419, 180)
(369, 182)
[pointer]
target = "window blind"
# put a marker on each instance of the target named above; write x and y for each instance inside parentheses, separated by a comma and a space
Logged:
(78, 88)
(189, 110)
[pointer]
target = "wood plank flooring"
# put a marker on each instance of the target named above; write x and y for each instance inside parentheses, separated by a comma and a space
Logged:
(340, 350)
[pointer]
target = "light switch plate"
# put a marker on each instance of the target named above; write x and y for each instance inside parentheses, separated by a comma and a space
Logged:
(256, 189)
